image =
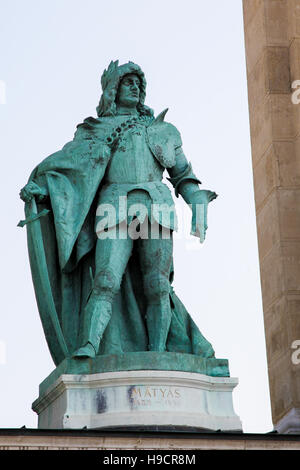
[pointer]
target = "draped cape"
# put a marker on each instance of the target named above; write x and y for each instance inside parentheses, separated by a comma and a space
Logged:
(61, 248)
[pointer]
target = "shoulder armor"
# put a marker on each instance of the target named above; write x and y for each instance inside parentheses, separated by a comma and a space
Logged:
(163, 140)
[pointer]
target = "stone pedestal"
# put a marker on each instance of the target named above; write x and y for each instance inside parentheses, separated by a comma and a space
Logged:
(140, 399)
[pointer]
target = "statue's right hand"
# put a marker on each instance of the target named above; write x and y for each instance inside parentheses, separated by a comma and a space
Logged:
(31, 190)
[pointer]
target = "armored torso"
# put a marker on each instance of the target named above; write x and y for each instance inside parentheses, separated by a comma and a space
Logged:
(132, 160)
(133, 166)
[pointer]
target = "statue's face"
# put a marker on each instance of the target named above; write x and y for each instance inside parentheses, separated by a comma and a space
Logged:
(129, 91)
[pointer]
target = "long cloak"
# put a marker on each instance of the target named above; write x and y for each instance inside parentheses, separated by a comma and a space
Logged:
(73, 177)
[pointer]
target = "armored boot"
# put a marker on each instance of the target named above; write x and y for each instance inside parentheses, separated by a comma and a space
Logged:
(158, 320)
(96, 317)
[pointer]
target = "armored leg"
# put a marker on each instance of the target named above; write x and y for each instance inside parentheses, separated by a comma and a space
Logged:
(155, 260)
(112, 256)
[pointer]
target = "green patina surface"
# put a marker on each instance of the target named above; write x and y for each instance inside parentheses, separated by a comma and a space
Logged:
(150, 360)
(103, 297)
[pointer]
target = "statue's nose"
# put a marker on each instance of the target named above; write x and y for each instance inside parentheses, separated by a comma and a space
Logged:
(134, 87)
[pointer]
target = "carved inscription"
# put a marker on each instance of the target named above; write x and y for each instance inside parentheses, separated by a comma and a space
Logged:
(149, 396)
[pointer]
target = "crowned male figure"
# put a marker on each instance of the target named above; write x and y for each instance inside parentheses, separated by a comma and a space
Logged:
(127, 151)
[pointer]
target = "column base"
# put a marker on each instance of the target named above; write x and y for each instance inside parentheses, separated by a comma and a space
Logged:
(290, 423)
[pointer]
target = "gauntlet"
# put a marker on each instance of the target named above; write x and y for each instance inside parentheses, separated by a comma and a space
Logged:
(186, 184)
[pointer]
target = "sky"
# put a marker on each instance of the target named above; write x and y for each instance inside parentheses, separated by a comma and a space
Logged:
(192, 53)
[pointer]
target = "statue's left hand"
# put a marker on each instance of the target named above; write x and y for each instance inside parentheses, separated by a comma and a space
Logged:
(199, 203)
(32, 190)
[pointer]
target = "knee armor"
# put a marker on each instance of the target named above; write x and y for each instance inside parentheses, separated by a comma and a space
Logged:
(106, 284)
(156, 286)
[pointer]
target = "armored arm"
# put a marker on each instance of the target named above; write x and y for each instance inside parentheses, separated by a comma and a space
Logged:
(186, 184)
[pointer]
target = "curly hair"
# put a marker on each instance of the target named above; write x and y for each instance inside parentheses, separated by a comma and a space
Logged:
(110, 81)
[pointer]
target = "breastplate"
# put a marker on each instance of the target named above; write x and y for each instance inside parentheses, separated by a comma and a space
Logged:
(132, 160)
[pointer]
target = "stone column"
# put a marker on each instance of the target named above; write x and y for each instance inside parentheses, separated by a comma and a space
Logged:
(272, 40)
